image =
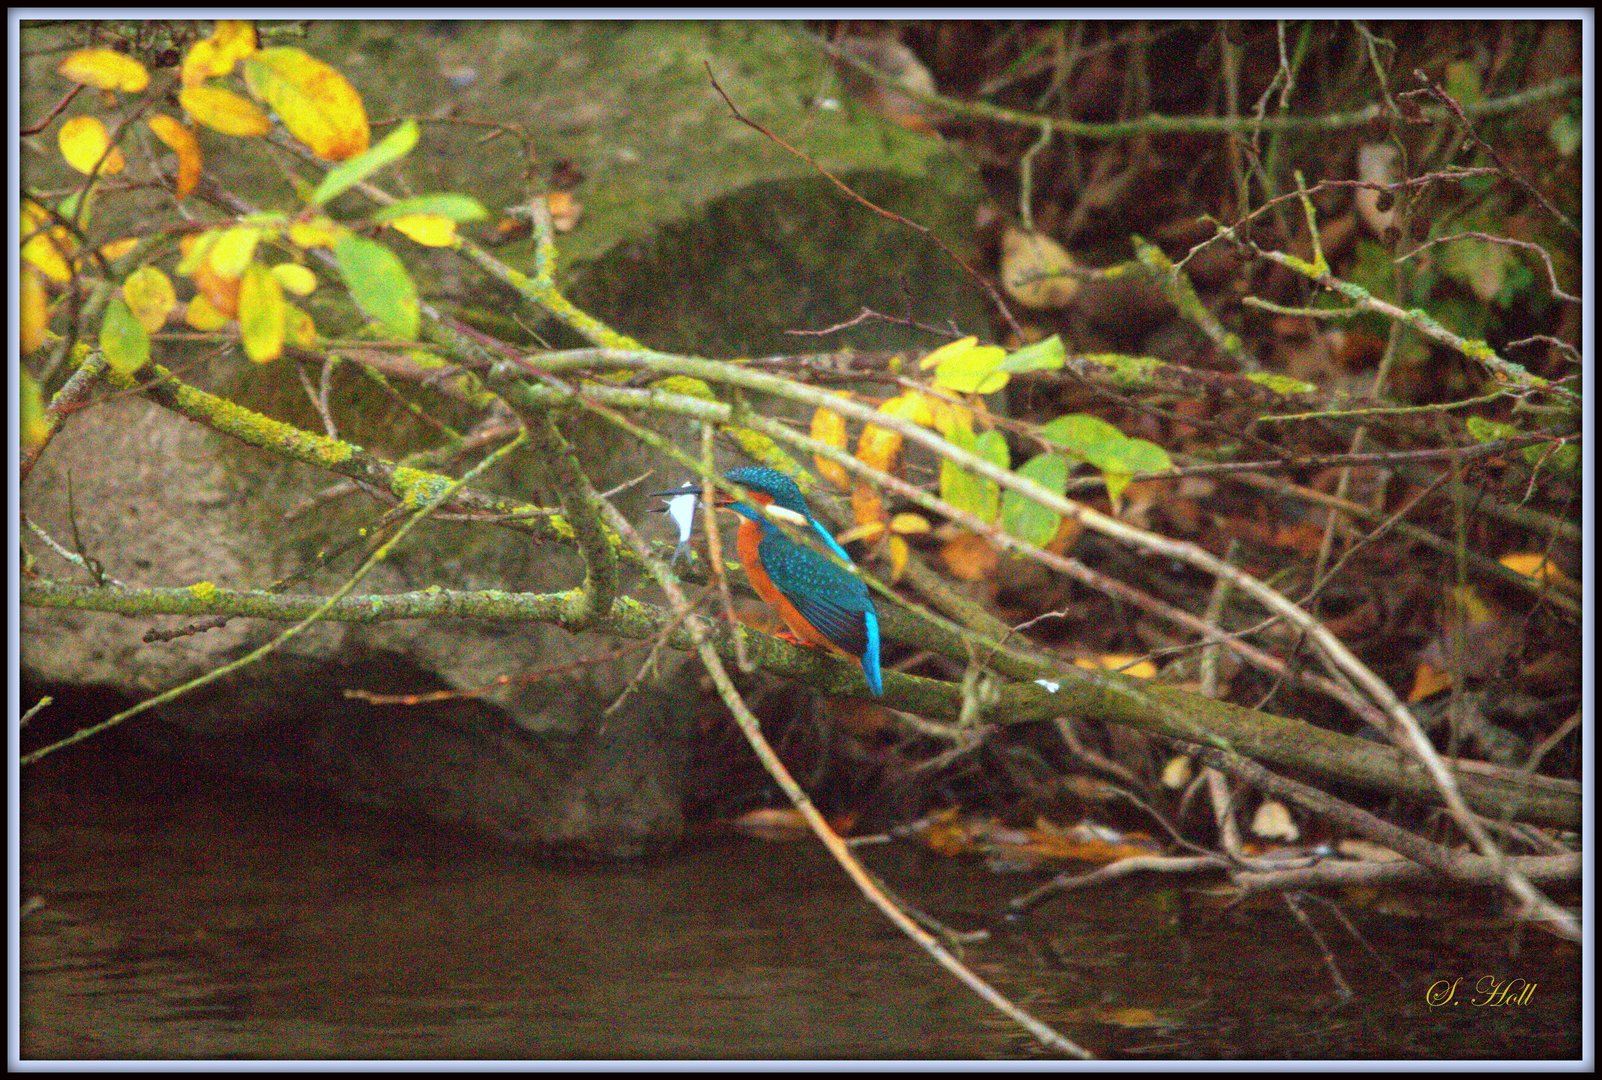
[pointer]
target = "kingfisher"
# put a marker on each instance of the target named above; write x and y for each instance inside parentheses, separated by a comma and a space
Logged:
(822, 603)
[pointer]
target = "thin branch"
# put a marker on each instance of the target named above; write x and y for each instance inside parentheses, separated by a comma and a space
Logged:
(1155, 124)
(751, 727)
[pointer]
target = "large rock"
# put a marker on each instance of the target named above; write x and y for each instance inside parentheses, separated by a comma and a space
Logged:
(699, 234)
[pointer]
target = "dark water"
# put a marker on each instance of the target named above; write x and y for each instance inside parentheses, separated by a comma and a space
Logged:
(185, 920)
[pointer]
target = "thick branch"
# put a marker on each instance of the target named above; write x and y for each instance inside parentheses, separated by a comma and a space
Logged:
(1158, 710)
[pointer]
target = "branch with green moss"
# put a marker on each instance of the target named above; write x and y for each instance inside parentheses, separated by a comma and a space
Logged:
(1513, 375)
(411, 487)
(1157, 710)
(560, 470)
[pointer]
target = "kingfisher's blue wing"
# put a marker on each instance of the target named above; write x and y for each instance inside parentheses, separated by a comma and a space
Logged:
(834, 601)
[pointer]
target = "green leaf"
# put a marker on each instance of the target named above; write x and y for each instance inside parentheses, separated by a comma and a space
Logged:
(1079, 432)
(1565, 134)
(975, 370)
(992, 446)
(967, 490)
(1280, 384)
(1119, 459)
(379, 284)
(1483, 430)
(68, 207)
(1463, 82)
(1027, 519)
(347, 174)
(458, 208)
(1047, 355)
(31, 418)
(123, 341)
(1129, 456)
(1480, 265)
(1564, 459)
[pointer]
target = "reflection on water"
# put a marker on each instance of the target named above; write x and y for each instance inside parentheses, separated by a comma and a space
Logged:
(185, 921)
(225, 926)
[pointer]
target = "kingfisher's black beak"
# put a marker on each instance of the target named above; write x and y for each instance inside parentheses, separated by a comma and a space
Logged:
(682, 489)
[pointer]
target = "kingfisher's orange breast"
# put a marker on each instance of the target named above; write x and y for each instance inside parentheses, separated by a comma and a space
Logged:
(745, 542)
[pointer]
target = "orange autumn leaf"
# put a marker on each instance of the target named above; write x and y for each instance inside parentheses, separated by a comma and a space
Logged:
(969, 557)
(221, 292)
(180, 139)
(1428, 681)
(867, 507)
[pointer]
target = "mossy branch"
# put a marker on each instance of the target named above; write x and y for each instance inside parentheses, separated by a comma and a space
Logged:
(559, 468)
(1157, 710)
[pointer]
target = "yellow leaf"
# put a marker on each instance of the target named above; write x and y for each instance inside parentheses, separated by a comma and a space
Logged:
(912, 405)
(949, 349)
(1273, 822)
(44, 246)
(565, 210)
(878, 447)
(430, 230)
(297, 280)
(1035, 270)
(235, 38)
(193, 248)
(315, 102)
(299, 328)
(1466, 606)
(180, 139)
(233, 250)
(150, 297)
(868, 530)
(1128, 665)
(262, 314)
(1428, 680)
(34, 305)
(899, 553)
(105, 69)
(1532, 564)
(85, 144)
(948, 416)
(1178, 773)
(829, 427)
(318, 232)
(224, 111)
(202, 314)
(907, 524)
(112, 250)
(230, 42)
(773, 823)
(203, 61)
